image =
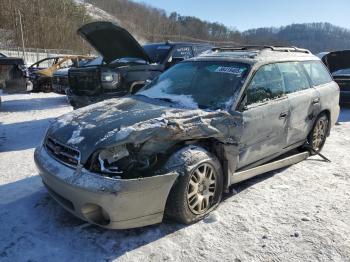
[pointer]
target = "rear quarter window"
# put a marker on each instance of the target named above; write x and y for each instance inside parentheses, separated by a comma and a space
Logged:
(317, 72)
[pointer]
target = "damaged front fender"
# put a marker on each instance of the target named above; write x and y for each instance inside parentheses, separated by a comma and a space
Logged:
(153, 126)
(179, 125)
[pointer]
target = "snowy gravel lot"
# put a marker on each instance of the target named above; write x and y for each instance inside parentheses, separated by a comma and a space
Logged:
(301, 213)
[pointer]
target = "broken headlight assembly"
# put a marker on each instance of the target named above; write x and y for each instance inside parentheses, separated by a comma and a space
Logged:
(122, 160)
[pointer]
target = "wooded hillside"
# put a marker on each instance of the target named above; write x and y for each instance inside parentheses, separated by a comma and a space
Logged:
(48, 24)
(53, 24)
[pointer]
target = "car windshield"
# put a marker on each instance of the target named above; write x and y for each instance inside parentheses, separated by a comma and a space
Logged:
(342, 72)
(95, 62)
(127, 60)
(83, 62)
(157, 53)
(198, 84)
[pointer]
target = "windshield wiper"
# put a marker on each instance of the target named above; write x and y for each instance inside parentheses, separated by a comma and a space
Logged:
(169, 100)
(203, 107)
(165, 99)
(158, 98)
(141, 95)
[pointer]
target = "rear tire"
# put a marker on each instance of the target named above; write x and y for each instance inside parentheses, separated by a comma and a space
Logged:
(199, 187)
(318, 135)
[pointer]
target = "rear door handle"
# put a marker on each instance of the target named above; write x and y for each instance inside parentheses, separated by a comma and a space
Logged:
(283, 115)
(315, 101)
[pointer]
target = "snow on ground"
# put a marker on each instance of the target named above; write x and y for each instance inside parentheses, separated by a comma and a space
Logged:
(300, 213)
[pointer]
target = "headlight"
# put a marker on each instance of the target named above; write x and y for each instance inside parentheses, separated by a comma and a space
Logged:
(122, 161)
(109, 157)
(110, 77)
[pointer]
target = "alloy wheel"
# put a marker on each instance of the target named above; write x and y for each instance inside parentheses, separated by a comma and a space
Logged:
(201, 188)
(319, 134)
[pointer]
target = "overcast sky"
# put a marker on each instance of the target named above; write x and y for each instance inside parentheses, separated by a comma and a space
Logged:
(246, 14)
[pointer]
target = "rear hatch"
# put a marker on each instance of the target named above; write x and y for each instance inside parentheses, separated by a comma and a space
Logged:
(338, 63)
(343, 80)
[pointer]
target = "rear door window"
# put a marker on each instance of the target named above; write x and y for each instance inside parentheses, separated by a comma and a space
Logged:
(317, 72)
(267, 84)
(294, 77)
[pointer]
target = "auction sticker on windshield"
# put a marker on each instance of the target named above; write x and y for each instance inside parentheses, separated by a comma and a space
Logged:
(230, 70)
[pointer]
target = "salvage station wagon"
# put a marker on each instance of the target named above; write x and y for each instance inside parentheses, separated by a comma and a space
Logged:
(176, 145)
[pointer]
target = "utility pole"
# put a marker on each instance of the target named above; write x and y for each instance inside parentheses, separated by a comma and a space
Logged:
(22, 37)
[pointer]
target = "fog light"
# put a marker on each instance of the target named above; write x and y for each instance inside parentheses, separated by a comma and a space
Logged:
(96, 214)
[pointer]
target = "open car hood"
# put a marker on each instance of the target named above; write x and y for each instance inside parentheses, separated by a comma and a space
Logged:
(337, 60)
(112, 41)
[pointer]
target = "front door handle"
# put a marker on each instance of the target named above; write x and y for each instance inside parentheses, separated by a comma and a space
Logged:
(283, 115)
(315, 100)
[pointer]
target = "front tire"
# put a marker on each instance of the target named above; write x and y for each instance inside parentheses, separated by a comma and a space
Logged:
(199, 187)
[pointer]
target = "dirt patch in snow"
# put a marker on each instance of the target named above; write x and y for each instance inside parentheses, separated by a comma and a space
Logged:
(300, 213)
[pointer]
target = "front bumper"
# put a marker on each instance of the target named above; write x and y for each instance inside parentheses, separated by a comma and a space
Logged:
(107, 202)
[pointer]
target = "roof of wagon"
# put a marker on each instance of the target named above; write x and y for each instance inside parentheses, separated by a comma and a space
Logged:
(255, 54)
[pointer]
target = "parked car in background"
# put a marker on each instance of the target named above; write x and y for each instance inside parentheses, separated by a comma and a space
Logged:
(60, 77)
(338, 63)
(126, 65)
(14, 75)
(183, 139)
(2, 55)
(41, 72)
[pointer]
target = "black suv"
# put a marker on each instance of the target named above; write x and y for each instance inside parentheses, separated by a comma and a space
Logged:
(124, 65)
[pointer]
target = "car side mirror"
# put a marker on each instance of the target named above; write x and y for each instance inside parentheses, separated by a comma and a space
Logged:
(173, 61)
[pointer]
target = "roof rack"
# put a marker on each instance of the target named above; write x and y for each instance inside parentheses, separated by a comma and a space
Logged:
(260, 48)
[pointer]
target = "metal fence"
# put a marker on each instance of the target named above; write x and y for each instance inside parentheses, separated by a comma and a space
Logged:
(32, 55)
